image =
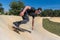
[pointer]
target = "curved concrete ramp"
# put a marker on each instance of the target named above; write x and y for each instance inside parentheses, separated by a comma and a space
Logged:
(39, 33)
(55, 19)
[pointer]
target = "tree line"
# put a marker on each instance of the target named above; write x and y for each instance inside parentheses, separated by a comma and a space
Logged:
(50, 13)
(16, 6)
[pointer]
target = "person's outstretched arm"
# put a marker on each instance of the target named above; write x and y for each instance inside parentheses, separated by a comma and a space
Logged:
(24, 10)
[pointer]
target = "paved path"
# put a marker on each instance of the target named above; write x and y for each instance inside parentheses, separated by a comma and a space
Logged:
(39, 33)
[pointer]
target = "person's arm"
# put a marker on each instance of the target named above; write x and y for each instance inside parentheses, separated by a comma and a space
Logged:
(27, 7)
(24, 10)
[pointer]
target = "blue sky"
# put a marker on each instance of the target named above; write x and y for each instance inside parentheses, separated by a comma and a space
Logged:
(44, 4)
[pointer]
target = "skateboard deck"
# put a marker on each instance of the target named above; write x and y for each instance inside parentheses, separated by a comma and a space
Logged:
(21, 29)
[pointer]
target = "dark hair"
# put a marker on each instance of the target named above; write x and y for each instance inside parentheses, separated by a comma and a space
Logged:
(39, 9)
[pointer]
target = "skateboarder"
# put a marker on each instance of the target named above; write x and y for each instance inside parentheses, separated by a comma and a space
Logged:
(24, 14)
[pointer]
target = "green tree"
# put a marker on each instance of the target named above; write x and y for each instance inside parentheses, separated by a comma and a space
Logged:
(1, 9)
(57, 13)
(50, 12)
(47, 13)
(16, 7)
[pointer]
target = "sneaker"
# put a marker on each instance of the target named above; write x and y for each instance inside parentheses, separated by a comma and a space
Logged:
(16, 25)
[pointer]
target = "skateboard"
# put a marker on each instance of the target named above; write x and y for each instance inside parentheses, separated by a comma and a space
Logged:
(20, 29)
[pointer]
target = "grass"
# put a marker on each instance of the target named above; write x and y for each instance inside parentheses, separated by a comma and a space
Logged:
(52, 27)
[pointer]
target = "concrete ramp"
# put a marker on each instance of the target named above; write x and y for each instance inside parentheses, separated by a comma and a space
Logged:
(39, 33)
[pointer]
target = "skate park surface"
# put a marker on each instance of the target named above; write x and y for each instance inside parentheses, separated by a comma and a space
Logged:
(39, 33)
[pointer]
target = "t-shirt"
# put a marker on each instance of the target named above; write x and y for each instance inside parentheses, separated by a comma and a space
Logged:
(31, 11)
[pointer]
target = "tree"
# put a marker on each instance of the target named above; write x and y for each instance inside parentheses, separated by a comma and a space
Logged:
(16, 7)
(1, 9)
(47, 13)
(57, 13)
(50, 12)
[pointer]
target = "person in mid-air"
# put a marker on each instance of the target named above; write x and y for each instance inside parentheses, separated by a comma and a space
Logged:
(25, 13)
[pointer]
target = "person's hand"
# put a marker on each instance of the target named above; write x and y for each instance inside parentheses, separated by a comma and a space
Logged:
(22, 14)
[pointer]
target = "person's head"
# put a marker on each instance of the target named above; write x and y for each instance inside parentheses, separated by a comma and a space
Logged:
(38, 11)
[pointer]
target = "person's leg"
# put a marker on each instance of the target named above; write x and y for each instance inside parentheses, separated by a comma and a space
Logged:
(25, 20)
